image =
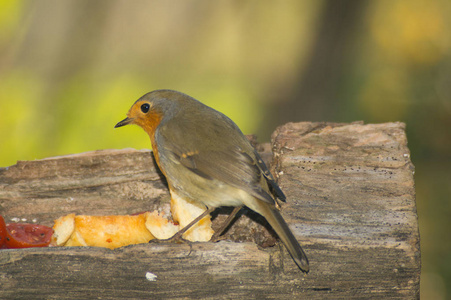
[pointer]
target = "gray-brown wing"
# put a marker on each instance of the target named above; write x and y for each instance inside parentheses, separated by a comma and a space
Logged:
(231, 166)
(225, 155)
(269, 178)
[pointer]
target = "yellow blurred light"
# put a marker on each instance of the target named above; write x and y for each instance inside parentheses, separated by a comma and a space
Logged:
(413, 32)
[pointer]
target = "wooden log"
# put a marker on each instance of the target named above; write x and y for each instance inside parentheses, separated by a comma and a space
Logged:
(351, 204)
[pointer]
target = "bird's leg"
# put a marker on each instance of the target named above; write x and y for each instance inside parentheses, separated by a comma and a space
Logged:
(217, 235)
(178, 236)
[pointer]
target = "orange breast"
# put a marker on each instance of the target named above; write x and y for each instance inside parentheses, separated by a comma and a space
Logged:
(155, 152)
(150, 126)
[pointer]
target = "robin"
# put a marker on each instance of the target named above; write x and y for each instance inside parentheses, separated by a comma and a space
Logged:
(206, 158)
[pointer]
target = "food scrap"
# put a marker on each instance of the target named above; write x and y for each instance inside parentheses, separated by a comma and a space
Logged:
(20, 235)
(108, 231)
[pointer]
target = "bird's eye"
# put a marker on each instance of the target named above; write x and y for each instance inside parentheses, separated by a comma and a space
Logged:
(145, 108)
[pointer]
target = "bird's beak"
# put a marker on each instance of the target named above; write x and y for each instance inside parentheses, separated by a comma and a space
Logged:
(124, 122)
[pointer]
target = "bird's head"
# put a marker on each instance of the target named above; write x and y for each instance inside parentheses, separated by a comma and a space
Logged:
(149, 110)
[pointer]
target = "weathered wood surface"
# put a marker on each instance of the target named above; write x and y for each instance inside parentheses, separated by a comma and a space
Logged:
(351, 204)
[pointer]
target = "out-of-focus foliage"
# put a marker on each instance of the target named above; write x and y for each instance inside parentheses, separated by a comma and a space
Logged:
(406, 68)
(69, 70)
(84, 64)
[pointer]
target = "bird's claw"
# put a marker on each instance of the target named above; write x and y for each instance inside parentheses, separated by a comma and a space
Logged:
(216, 238)
(176, 239)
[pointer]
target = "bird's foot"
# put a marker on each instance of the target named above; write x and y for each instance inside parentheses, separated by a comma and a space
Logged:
(217, 237)
(175, 239)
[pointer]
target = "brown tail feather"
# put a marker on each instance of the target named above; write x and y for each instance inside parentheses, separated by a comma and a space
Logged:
(279, 225)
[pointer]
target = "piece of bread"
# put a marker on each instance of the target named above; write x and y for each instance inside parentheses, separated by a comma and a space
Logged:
(101, 231)
(160, 227)
(184, 212)
(117, 231)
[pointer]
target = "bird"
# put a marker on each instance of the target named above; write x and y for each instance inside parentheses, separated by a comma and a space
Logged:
(207, 159)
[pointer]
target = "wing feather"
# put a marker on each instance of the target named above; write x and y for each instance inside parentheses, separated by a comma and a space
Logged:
(230, 159)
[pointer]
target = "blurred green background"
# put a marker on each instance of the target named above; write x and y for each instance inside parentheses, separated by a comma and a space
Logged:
(70, 70)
